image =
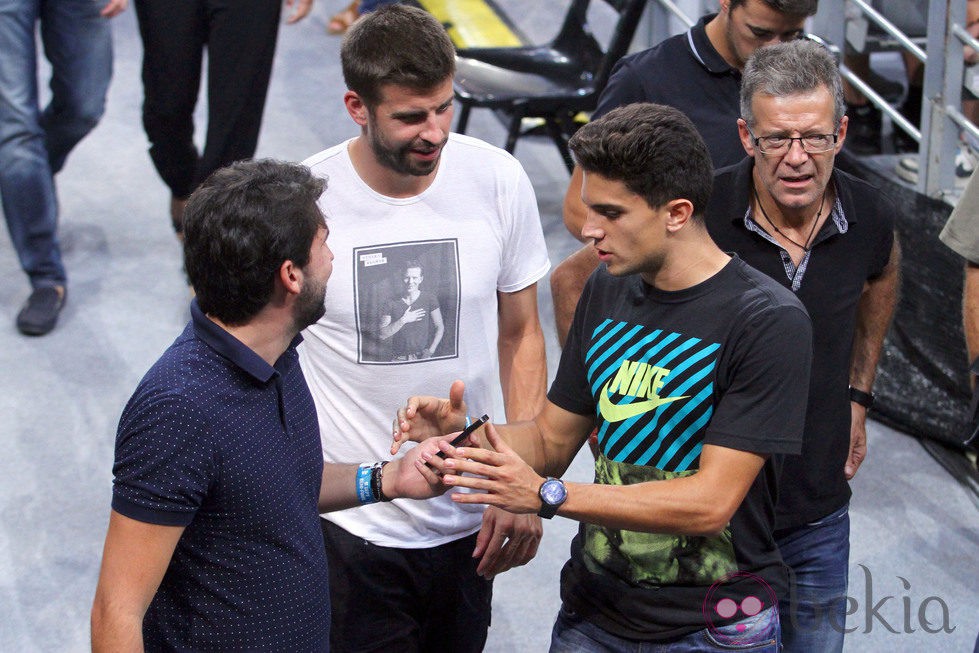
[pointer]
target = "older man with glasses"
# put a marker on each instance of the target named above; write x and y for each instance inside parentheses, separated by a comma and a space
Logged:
(829, 237)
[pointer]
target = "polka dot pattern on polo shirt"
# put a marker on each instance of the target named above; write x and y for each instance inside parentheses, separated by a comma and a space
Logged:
(202, 444)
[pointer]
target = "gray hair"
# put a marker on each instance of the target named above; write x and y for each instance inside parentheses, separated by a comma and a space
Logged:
(787, 69)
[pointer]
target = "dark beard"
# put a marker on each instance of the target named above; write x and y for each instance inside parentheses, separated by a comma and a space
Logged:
(309, 306)
(398, 159)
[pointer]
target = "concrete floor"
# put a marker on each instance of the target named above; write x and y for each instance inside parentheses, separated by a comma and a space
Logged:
(915, 529)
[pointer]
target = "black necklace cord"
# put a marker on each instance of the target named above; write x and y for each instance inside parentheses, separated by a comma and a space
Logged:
(808, 245)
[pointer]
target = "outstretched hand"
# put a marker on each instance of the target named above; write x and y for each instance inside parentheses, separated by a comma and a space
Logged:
(424, 416)
(500, 478)
(409, 477)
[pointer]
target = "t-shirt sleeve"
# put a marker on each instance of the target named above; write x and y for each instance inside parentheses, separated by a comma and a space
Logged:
(764, 385)
(524, 253)
(164, 462)
(961, 232)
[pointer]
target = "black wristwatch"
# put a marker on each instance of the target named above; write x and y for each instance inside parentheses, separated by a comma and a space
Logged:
(865, 399)
(552, 494)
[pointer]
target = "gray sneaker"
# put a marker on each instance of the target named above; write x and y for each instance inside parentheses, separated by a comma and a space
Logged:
(40, 313)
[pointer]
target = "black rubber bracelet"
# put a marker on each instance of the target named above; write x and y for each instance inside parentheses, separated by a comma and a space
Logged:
(377, 474)
(865, 399)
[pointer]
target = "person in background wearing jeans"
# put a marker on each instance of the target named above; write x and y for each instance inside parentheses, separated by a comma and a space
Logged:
(828, 237)
(34, 143)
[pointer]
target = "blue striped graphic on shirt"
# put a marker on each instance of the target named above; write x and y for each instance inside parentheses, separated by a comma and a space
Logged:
(654, 394)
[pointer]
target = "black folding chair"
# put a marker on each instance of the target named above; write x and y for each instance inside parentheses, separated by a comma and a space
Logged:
(552, 82)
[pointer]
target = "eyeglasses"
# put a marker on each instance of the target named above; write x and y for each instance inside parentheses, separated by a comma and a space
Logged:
(812, 144)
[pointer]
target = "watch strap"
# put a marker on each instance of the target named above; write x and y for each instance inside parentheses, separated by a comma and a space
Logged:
(547, 510)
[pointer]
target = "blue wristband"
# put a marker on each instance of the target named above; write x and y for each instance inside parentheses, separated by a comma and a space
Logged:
(364, 494)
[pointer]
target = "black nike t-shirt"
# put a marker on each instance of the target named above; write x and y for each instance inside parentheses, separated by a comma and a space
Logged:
(726, 363)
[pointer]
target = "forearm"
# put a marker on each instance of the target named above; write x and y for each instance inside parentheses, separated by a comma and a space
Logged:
(874, 312)
(439, 332)
(134, 560)
(970, 310)
(520, 346)
(700, 504)
(550, 441)
(523, 375)
(406, 477)
(338, 489)
(390, 328)
(676, 506)
(567, 282)
(115, 630)
(574, 210)
(527, 440)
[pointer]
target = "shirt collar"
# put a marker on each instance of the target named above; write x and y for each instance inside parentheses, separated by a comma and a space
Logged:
(838, 224)
(233, 349)
(703, 50)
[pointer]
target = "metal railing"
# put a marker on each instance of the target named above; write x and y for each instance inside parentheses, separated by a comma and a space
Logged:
(941, 118)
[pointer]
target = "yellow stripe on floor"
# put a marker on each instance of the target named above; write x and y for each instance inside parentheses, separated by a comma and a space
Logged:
(472, 23)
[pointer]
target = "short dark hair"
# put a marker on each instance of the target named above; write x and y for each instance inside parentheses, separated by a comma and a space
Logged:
(787, 69)
(654, 150)
(240, 226)
(800, 8)
(396, 44)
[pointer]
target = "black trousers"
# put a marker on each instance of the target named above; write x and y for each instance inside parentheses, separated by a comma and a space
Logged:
(240, 38)
(405, 600)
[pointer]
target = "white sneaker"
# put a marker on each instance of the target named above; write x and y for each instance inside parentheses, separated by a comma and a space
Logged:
(965, 163)
(907, 169)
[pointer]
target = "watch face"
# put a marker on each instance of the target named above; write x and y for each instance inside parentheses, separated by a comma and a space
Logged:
(553, 492)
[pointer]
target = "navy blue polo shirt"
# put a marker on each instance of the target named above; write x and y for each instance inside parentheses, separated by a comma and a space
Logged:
(687, 73)
(216, 440)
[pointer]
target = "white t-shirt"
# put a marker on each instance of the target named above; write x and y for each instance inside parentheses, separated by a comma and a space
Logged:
(474, 231)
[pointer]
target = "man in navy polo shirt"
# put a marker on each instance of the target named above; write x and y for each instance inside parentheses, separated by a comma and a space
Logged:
(214, 540)
(828, 237)
(697, 72)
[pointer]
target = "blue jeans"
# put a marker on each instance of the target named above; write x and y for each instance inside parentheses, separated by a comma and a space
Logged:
(572, 634)
(818, 556)
(34, 143)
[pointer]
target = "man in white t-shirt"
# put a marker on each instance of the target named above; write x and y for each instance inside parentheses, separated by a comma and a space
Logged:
(417, 577)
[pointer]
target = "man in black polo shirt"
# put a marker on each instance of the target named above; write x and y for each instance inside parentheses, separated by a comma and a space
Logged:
(214, 540)
(829, 238)
(697, 72)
